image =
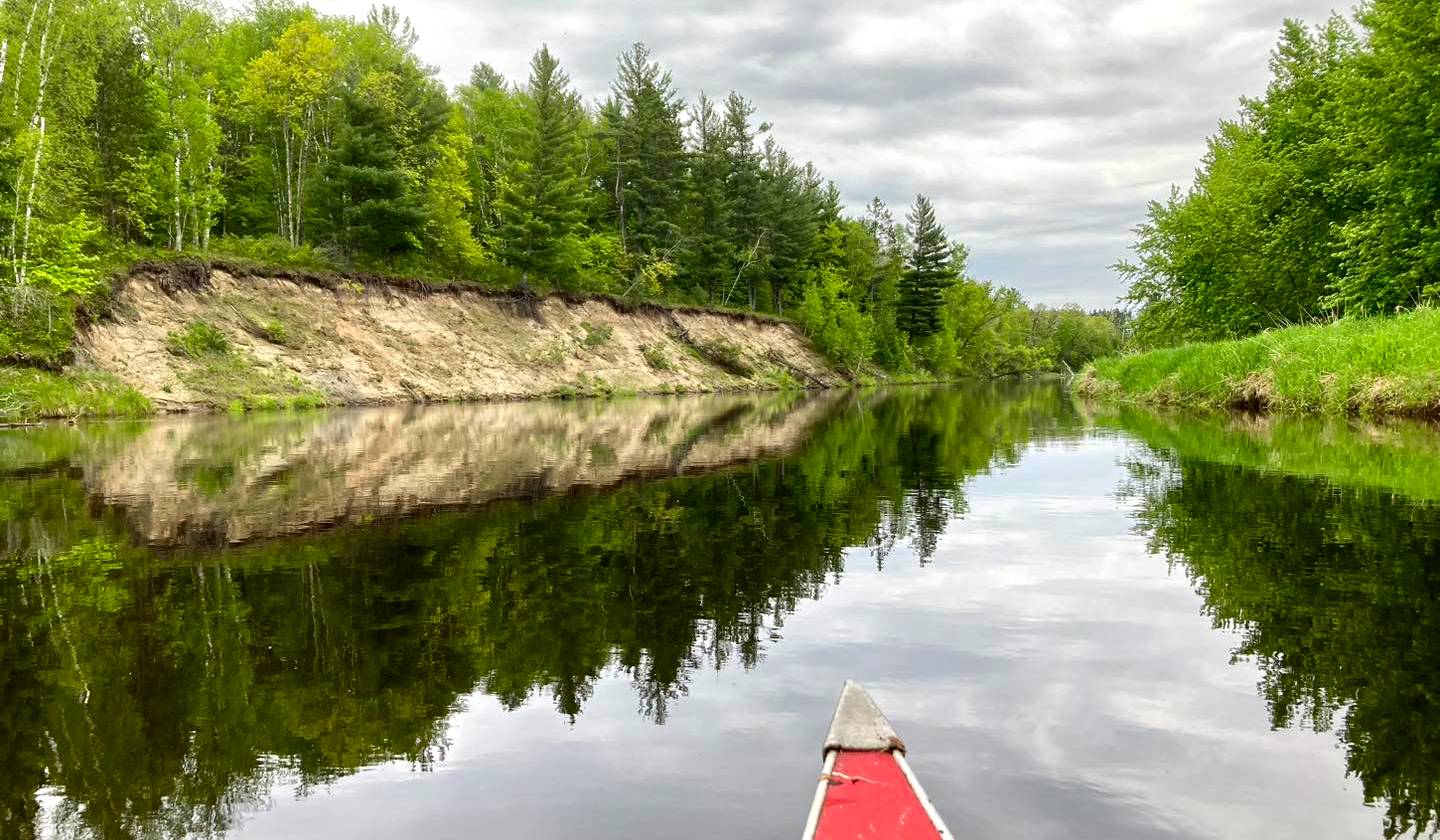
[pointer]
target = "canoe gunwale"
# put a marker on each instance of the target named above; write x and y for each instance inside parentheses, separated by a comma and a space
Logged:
(859, 727)
(812, 822)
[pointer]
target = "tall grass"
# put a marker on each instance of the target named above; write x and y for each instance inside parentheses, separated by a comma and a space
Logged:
(27, 394)
(1368, 366)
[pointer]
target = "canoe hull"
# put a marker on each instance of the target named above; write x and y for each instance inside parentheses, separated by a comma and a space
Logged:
(867, 790)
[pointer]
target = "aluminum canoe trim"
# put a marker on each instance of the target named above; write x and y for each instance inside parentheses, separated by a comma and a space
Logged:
(921, 795)
(812, 822)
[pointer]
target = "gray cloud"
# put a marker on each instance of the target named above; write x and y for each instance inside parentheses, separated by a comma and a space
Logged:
(1040, 129)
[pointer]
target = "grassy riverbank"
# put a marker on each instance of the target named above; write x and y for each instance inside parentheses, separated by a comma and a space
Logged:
(27, 395)
(1371, 366)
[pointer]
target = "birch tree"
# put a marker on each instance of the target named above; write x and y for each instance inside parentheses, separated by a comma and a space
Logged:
(286, 87)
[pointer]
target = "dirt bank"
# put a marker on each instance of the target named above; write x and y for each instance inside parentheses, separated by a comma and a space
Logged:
(327, 340)
(213, 479)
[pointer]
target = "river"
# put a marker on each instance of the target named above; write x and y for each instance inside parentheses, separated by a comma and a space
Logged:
(631, 618)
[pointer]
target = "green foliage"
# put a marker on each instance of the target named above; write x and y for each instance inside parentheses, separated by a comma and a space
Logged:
(553, 353)
(27, 395)
(37, 326)
(275, 333)
(1354, 366)
(596, 335)
(233, 380)
(837, 326)
(270, 252)
(930, 269)
(656, 357)
(726, 354)
(277, 138)
(64, 261)
(197, 340)
(649, 152)
(1318, 202)
(364, 198)
(542, 188)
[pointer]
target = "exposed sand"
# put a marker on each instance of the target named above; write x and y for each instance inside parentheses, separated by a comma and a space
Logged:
(375, 344)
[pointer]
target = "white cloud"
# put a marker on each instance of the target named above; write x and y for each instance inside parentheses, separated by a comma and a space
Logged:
(1040, 129)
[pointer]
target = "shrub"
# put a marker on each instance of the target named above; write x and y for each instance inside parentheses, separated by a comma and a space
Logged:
(596, 335)
(196, 341)
(655, 357)
(553, 353)
(839, 329)
(275, 333)
(726, 354)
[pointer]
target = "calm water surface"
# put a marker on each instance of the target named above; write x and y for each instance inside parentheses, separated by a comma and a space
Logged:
(631, 619)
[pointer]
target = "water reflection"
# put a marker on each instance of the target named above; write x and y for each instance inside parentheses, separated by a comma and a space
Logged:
(1319, 541)
(164, 665)
(196, 613)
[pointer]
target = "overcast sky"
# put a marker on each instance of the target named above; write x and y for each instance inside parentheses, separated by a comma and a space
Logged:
(1040, 129)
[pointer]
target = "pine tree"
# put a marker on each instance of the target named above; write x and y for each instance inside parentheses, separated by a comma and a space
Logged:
(790, 212)
(708, 252)
(928, 272)
(543, 191)
(364, 198)
(743, 197)
(651, 152)
(126, 123)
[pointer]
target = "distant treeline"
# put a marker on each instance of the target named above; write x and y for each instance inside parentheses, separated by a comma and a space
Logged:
(1322, 199)
(293, 138)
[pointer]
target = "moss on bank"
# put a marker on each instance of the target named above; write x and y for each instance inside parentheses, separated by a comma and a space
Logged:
(1371, 366)
(27, 394)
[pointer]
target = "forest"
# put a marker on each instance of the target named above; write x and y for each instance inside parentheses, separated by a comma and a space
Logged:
(137, 130)
(1319, 201)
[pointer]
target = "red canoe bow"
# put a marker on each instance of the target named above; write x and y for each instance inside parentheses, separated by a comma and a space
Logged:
(867, 790)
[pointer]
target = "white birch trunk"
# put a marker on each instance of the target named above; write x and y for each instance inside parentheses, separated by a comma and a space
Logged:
(289, 181)
(177, 235)
(37, 121)
(20, 59)
(22, 263)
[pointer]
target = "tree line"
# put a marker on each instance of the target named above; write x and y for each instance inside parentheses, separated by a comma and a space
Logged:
(1321, 199)
(134, 126)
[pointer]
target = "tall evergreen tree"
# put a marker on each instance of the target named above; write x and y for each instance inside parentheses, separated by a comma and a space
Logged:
(542, 195)
(708, 253)
(364, 201)
(651, 152)
(790, 210)
(743, 196)
(929, 270)
(126, 130)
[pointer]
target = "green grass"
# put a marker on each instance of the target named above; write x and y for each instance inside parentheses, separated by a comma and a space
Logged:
(197, 341)
(1394, 454)
(235, 382)
(228, 378)
(1369, 366)
(27, 395)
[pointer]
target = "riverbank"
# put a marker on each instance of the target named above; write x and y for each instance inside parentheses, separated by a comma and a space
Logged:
(1368, 367)
(190, 336)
